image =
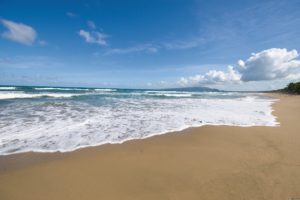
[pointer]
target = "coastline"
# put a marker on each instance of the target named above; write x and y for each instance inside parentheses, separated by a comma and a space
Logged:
(208, 162)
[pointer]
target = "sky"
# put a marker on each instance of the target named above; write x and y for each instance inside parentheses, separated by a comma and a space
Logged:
(224, 44)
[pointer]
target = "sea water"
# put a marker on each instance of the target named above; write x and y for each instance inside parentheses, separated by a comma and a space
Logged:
(50, 119)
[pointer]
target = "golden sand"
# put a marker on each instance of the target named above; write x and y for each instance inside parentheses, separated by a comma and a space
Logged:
(210, 162)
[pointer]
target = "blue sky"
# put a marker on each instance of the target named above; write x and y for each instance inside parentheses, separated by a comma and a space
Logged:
(150, 44)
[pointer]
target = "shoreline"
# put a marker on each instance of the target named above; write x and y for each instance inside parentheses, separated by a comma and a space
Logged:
(175, 131)
(212, 162)
(12, 160)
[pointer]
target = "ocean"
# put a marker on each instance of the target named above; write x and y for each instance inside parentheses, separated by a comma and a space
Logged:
(51, 119)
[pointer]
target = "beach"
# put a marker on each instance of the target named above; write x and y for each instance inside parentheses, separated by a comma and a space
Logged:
(208, 162)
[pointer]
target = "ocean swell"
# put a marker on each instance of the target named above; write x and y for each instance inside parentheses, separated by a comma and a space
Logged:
(22, 95)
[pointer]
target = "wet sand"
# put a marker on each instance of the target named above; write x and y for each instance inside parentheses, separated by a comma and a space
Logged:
(209, 162)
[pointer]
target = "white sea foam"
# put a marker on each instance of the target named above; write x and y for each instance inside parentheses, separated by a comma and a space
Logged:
(105, 90)
(166, 92)
(23, 95)
(49, 126)
(63, 89)
(170, 95)
(7, 88)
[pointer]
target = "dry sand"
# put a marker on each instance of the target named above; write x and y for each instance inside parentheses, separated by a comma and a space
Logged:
(210, 162)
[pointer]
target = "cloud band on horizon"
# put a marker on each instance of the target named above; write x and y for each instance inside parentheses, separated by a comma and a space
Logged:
(269, 64)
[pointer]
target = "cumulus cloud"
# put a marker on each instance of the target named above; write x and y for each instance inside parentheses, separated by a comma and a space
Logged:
(94, 37)
(19, 32)
(212, 77)
(269, 64)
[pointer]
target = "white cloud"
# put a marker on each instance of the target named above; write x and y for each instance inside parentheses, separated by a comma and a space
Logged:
(267, 65)
(91, 24)
(94, 37)
(212, 77)
(19, 32)
(140, 48)
(270, 64)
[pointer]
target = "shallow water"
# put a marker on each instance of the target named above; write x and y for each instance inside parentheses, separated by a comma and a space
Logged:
(49, 119)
